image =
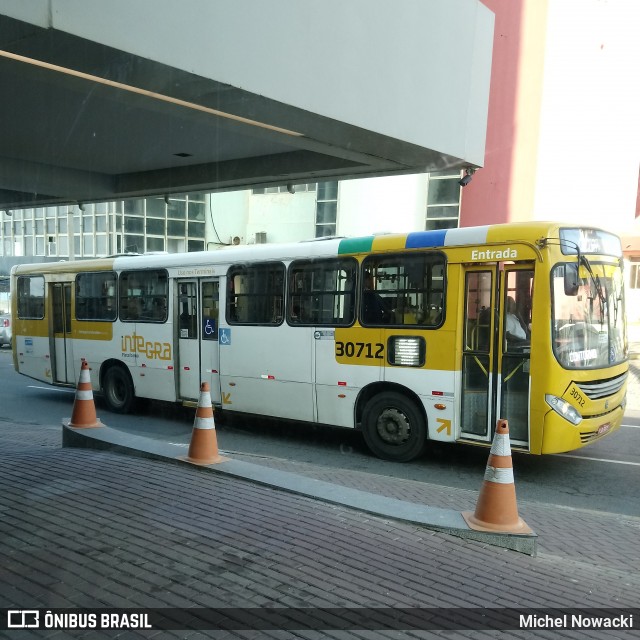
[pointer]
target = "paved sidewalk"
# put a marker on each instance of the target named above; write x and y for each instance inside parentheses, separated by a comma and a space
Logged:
(446, 520)
(86, 528)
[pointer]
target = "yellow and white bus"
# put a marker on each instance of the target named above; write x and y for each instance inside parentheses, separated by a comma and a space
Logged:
(430, 335)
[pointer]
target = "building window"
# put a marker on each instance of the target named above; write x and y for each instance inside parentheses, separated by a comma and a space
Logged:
(195, 211)
(155, 226)
(326, 209)
(297, 188)
(155, 244)
(156, 208)
(195, 245)
(133, 244)
(443, 200)
(99, 229)
(634, 278)
(134, 207)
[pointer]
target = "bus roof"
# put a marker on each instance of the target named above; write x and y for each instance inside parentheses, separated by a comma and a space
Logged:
(488, 234)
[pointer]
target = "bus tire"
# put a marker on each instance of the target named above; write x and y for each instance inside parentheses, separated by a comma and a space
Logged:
(393, 427)
(117, 388)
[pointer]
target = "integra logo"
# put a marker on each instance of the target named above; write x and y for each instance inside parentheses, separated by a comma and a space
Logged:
(135, 344)
(493, 254)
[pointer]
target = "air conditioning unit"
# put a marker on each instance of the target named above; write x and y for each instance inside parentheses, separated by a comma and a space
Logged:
(261, 237)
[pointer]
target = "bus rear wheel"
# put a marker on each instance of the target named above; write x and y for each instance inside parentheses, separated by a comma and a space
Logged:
(393, 427)
(118, 389)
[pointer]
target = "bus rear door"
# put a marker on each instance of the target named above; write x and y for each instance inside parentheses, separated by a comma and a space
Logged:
(62, 347)
(209, 344)
(198, 357)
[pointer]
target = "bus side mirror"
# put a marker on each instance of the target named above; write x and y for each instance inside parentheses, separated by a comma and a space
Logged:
(571, 280)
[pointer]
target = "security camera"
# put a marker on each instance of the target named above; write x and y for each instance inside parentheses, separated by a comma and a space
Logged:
(465, 180)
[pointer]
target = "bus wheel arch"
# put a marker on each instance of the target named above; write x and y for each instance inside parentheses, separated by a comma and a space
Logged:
(393, 422)
(117, 386)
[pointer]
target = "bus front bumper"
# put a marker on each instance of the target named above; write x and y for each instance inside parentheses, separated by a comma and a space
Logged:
(559, 435)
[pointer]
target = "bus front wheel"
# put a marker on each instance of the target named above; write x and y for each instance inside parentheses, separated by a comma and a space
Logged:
(118, 390)
(393, 427)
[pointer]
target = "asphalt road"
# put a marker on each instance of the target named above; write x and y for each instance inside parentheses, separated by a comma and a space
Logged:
(603, 477)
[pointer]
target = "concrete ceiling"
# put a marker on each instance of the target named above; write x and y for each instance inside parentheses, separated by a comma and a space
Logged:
(83, 122)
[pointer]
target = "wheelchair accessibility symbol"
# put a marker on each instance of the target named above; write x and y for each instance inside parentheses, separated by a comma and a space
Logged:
(225, 336)
(209, 329)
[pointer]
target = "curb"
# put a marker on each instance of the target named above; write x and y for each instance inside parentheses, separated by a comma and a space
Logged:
(436, 519)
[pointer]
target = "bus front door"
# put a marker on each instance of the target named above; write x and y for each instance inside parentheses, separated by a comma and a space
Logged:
(515, 350)
(196, 319)
(63, 363)
(496, 351)
(478, 354)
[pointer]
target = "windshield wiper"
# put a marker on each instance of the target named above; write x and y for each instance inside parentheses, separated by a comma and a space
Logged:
(598, 286)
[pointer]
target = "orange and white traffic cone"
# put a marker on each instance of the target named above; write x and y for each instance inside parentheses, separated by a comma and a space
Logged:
(203, 448)
(84, 409)
(496, 509)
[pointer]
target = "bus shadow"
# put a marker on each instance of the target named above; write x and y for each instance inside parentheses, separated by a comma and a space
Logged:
(251, 434)
(294, 433)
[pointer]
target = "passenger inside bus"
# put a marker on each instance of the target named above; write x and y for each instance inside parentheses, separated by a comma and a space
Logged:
(134, 309)
(159, 309)
(374, 309)
(515, 329)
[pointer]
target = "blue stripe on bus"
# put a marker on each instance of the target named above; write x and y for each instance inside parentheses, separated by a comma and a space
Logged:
(419, 239)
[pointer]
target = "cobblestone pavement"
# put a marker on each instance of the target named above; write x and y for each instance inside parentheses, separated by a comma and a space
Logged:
(82, 528)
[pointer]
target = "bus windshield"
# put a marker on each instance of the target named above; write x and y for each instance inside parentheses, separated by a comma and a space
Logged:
(589, 328)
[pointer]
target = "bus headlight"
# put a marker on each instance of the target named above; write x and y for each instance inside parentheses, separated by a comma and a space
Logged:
(563, 408)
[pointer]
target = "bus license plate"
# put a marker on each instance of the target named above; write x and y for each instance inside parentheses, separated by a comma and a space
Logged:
(603, 428)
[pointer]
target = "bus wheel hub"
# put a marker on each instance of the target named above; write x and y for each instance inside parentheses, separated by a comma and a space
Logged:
(393, 426)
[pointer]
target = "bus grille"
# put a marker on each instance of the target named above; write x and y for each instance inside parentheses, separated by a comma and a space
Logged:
(588, 437)
(602, 388)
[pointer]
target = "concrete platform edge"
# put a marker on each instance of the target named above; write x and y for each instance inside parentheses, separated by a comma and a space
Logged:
(445, 521)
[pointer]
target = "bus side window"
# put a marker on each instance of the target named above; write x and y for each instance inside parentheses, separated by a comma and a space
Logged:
(403, 289)
(31, 297)
(258, 294)
(321, 292)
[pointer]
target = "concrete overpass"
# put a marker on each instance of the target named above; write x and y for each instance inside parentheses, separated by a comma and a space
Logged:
(126, 98)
